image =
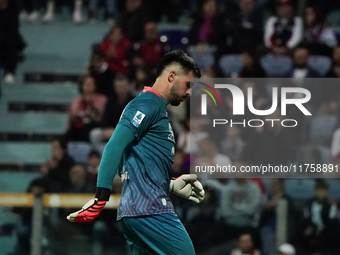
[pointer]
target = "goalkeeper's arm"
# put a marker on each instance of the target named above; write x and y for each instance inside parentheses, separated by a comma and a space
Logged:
(112, 154)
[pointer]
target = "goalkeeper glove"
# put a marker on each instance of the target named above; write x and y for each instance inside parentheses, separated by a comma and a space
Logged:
(188, 187)
(92, 208)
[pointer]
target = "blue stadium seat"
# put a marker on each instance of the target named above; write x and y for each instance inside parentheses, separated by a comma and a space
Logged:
(204, 60)
(321, 127)
(174, 39)
(41, 93)
(16, 181)
(276, 66)
(334, 188)
(24, 152)
(320, 64)
(231, 64)
(79, 151)
(34, 122)
(300, 188)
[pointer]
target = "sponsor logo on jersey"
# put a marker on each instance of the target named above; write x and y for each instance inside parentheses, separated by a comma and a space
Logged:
(139, 116)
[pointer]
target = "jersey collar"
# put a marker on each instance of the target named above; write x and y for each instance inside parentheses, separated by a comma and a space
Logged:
(152, 90)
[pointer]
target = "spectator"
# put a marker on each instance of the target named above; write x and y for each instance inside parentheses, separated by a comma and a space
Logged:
(133, 19)
(209, 155)
(79, 182)
(233, 144)
(109, 10)
(11, 42)
(93, 160)
(85, 112)
(24, 230)
(177, 167)
(115, 48)
(142, 78)
(335, 147)
(262, 146)
(193, 131)
(213, 72)
(103, 75)
(246, 27)
(286, 249)
(150, 50)
(199, 215)
(268, 215)
(77, 17)
(335, 69)
(284, 31)
(321, 227)
(245, 246)
(208, 27)
(59, 242)
(113, 110)
(240, 209)
(56, 170)
(251, 66)
(301, 68)
(319, 37)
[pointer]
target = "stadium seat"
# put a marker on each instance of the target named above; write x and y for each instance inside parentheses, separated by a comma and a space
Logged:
(334, 188)
(34, 123)
(321, 64)
(321, 128)
(16, 181)
(231, 64)
(174, 39)
(300, 188)
(204, 60)
(42, 93)
(79, 151)
(276, 66)
(24, 152)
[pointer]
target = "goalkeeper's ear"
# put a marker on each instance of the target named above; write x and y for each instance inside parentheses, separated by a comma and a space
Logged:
(103, 194)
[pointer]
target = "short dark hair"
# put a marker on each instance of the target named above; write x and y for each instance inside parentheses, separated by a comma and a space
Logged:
(98, 53)
(62, 142)
(82, 79)
(321, 184)
(93, 153)
(39, 182)
(181, 58)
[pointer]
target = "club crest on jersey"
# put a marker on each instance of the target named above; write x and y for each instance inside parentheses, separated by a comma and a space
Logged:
(139, 116)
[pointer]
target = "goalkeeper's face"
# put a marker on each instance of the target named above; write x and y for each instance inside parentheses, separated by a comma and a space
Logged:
(180, 89)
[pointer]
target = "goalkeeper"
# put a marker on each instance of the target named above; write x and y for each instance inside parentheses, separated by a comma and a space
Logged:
(141, 149)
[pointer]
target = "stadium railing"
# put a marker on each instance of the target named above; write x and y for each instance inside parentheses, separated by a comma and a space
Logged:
(52, 200)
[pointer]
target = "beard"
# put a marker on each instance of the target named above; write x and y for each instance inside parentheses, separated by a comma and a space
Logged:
(174, 97)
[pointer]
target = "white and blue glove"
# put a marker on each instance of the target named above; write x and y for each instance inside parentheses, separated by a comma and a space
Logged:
(187, 186)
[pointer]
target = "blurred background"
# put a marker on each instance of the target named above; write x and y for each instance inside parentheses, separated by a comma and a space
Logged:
(68, 68)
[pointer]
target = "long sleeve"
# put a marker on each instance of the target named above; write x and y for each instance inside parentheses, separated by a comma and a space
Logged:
(252, 204)
(297, 33)
(269, 30)
(112, 155)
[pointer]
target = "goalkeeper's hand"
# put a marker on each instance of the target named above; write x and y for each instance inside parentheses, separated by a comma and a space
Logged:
(188, 187)
(92, 208)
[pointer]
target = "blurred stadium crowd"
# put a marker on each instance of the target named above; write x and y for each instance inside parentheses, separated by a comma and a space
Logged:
(234, 38)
